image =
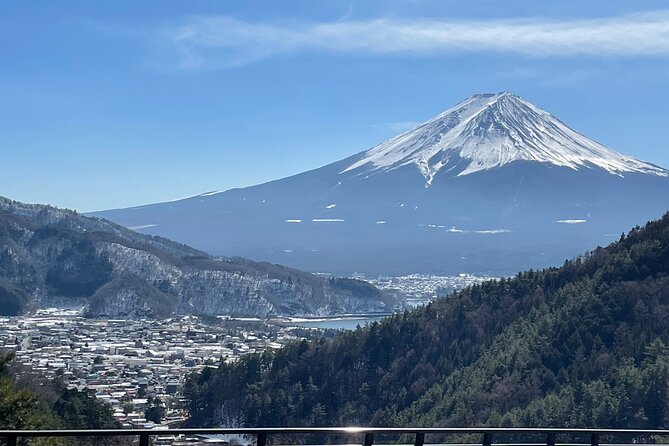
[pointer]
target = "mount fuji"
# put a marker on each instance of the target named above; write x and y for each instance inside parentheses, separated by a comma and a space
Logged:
(492, 185)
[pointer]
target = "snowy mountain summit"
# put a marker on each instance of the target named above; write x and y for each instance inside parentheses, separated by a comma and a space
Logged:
(486, 131)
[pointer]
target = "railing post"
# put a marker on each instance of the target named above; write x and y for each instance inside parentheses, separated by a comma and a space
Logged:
(487, 439)
(594, 440)
(420, 439)
(144, 439)
(11, 440)
(550, 439)
(261, 439)
(369, 439)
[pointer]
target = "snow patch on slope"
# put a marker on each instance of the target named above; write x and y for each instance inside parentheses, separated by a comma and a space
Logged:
(137, 228)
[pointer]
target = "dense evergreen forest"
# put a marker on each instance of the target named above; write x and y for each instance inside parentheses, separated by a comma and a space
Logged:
(582, 345)
(28, 401)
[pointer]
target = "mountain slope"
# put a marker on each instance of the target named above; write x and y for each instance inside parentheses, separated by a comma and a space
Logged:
(492, 185)
(55, 257)
(582, 345)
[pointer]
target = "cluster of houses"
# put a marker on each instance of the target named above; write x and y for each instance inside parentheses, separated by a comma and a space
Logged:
(132, 365)
(139, 367)
(419, 289)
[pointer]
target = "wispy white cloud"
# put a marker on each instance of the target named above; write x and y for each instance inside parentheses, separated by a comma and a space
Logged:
(398, 126)
(223, 41)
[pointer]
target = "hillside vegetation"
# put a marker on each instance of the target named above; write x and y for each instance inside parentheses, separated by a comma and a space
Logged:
(584, 344)
(31, 402)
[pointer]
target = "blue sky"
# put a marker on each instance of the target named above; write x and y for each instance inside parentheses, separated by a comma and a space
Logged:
(113, 104)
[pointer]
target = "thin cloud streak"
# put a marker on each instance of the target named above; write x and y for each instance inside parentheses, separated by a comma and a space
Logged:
(398, 126)
(215, 41)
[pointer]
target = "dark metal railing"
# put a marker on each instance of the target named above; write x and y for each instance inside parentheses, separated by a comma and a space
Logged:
(488, 435)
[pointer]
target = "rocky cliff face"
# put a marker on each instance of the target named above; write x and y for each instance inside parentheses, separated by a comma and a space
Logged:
(52, 256)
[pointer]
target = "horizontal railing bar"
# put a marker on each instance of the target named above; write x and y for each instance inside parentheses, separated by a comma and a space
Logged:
(462, 444)
(326, 430)
(542, 443)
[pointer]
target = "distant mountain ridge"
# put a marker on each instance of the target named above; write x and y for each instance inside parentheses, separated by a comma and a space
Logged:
(492, 185)
(56, 257)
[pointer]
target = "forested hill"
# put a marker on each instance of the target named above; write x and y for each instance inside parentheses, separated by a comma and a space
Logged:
(580, 345)
(30, 401)
(52, 257)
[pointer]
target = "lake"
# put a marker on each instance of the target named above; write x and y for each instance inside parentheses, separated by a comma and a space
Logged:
(339, 323)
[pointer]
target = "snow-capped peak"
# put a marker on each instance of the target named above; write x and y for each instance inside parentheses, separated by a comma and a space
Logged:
(486, 131)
